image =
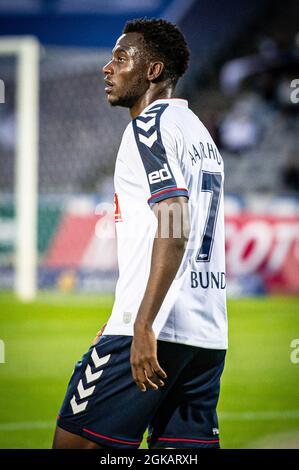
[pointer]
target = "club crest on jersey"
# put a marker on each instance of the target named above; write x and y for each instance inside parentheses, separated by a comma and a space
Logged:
(159, 175)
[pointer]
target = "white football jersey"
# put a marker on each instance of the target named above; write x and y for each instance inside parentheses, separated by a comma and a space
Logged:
(166, 151)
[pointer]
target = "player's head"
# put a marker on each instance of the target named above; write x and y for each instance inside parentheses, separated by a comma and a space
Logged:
(150, 52)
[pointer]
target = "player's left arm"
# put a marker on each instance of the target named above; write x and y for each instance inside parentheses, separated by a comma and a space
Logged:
(167, 255)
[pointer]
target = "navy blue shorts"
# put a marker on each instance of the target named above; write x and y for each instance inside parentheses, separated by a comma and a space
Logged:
(104, 405)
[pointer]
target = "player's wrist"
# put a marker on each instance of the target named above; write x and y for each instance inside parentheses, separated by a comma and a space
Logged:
(142, 324)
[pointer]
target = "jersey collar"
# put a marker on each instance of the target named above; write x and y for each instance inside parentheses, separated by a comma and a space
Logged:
(172, 101)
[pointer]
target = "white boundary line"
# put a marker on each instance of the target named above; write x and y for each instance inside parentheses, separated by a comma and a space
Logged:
(26, 425)
(224, 416)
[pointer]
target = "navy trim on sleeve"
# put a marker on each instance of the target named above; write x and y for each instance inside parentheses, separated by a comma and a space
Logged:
(152, 151)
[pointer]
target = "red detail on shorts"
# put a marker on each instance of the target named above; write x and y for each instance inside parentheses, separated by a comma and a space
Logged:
(111, 439)
(178, 439)
(167, 191)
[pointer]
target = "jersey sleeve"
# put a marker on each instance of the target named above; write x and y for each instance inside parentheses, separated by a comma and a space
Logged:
(158, 149)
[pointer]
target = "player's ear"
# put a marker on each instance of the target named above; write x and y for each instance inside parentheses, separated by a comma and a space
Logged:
(155, 70)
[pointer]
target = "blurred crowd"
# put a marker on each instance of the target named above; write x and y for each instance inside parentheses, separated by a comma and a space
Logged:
(255, 116)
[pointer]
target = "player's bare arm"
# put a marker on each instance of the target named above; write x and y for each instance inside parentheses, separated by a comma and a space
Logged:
(166, 258)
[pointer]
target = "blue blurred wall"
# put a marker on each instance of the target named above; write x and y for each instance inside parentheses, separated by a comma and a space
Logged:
(95, 23)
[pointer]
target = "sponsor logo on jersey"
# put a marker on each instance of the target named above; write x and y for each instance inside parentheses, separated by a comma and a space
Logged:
(159, 175)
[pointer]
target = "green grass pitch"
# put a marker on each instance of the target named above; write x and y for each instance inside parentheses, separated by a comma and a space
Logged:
(259, 403)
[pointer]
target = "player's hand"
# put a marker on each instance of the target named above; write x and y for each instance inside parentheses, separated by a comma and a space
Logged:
(99, 334)
(146, 370)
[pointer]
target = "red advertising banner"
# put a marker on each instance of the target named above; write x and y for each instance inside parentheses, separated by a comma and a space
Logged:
(266, 245)
(262, 251)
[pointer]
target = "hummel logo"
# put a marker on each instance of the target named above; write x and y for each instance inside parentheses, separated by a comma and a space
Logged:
(85, 392)
(148, 141)
(78, 408)
(99, 361)
(159, 175)
(146, 124)
(147, 132)
(90, 377)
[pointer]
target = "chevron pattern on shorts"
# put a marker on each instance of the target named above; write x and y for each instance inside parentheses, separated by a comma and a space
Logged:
(91, 374)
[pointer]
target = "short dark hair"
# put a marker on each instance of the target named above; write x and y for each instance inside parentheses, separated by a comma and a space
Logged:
(164, 41)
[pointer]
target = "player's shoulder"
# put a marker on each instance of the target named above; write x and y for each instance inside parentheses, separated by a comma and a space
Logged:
(177, 116)
(162, 118)
(128, 134)
(156, 117)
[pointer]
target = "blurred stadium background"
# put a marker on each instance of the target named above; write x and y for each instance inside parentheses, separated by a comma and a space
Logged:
(242, 84)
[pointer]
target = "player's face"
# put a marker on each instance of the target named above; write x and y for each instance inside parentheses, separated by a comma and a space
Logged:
(125, 74)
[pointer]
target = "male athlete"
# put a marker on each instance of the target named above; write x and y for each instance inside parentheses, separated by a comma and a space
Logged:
(159, 361)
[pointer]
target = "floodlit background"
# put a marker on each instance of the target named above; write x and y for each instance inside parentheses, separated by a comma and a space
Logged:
(243, 83)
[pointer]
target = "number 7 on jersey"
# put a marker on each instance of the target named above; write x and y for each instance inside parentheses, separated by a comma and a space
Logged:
(211, 183)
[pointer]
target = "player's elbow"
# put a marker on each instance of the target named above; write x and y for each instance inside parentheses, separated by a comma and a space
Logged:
(181, 235)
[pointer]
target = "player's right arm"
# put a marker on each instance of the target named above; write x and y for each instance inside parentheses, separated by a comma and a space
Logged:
(157, 143)
(167, 255)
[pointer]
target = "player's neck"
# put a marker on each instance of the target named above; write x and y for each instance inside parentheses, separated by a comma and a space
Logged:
(151, 95)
